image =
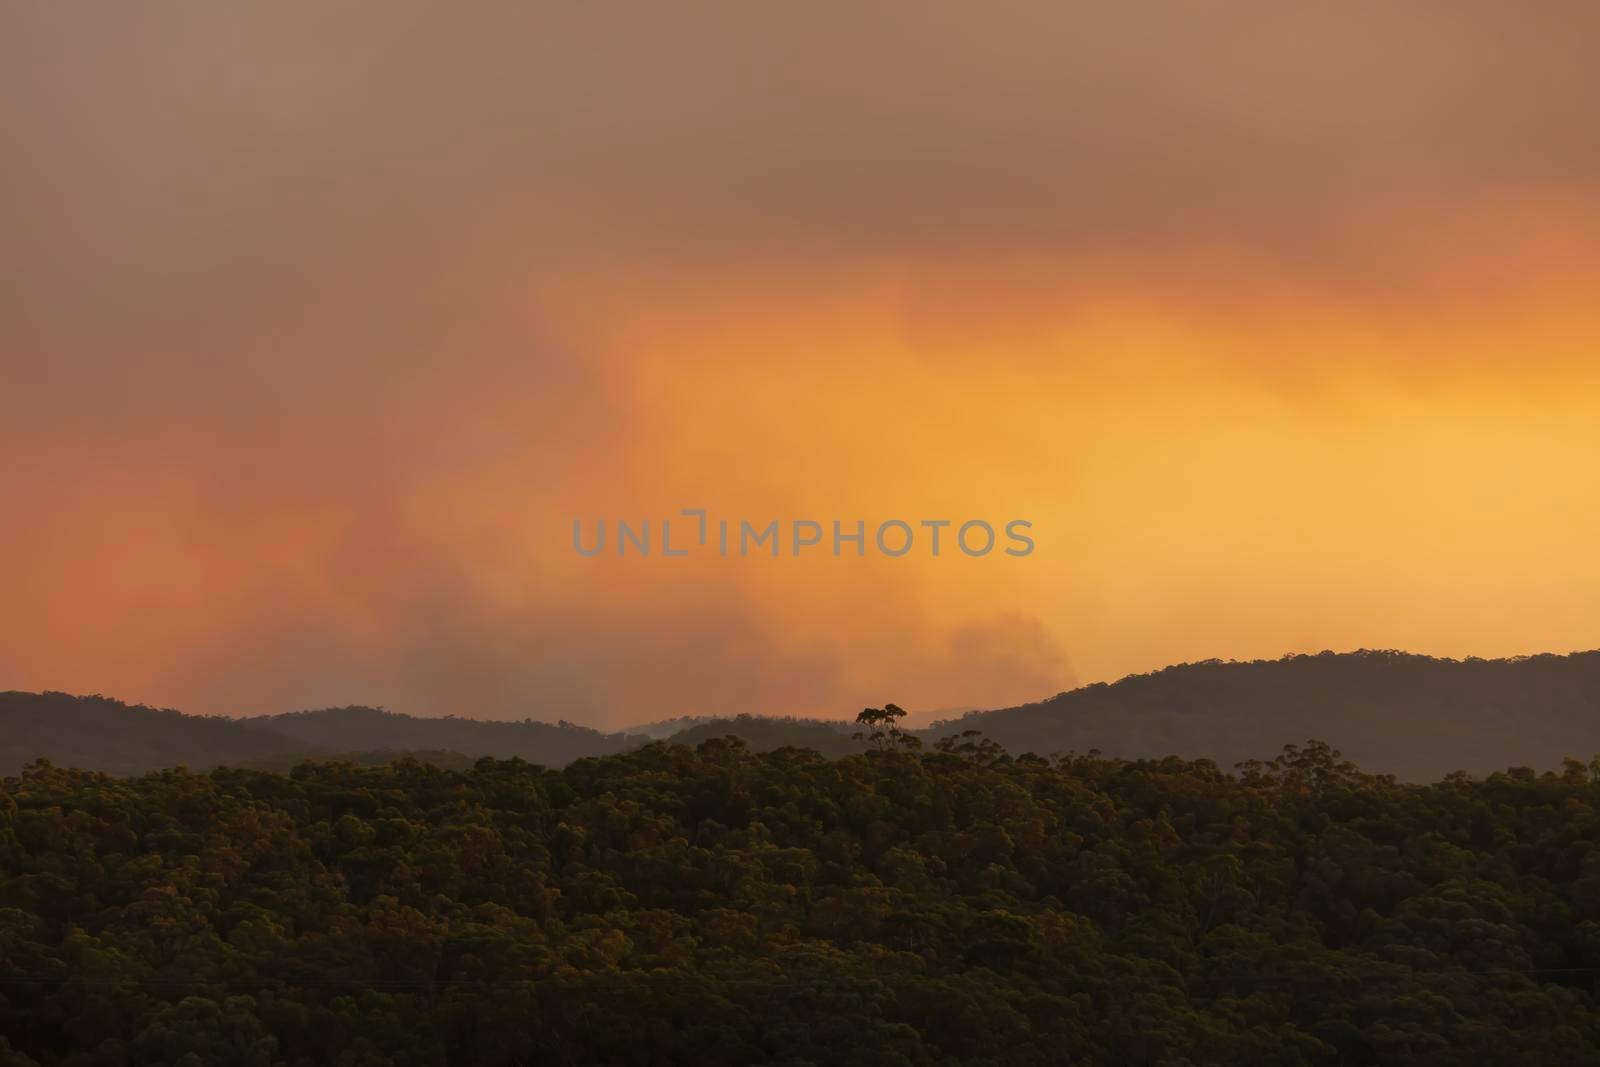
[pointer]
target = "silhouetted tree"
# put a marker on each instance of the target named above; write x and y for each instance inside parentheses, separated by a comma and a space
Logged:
(882, 726)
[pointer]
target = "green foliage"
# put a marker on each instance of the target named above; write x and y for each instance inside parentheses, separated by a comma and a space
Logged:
(718, 906)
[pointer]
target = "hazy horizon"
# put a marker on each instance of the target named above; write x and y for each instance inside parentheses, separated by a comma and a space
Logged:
(916, 718)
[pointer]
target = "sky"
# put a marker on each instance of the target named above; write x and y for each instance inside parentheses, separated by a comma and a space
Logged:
(321, 324)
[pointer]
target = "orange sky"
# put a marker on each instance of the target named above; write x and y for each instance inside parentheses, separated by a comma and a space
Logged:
(321, 325)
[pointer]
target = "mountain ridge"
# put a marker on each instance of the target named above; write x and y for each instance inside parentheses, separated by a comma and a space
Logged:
(1403, 713)
(1398, 712)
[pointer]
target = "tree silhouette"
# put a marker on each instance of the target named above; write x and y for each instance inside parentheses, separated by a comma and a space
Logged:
(883, 730)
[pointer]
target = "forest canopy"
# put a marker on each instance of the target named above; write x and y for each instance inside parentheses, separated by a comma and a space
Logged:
(713, 905)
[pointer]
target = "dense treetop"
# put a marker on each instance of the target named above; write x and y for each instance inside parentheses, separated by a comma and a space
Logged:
(712, 905)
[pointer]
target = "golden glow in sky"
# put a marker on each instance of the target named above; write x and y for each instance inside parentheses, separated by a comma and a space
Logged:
(322, 330)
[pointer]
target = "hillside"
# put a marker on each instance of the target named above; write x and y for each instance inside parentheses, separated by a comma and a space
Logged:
(286, 764)
(353, 729)
(100, 734)
(662, 729)
(97, 733)
(1414, 716)
(763, 734)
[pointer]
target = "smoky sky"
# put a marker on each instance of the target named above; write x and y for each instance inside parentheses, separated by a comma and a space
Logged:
(189, 145)
(289, 340)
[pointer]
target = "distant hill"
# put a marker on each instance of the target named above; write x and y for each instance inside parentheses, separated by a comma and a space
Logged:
(353, 729)
(1391, 712)
(283, 764)
(1413, 716)
(100, 734)
(761, 734)
(662, 729)
(927, 720)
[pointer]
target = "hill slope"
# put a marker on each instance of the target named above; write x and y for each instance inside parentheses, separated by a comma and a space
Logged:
(97, 733)
(1392, 712)
(764, 734)
(355, 729)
